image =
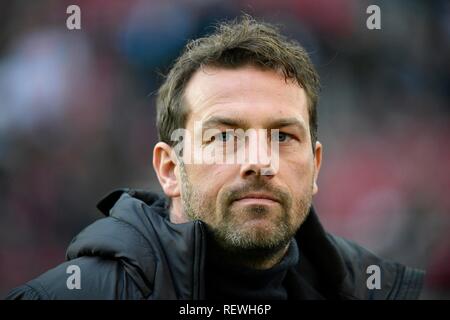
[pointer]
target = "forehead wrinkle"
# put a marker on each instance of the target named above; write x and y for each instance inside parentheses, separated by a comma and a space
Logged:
(203, 103)
(200, 102)
(228, 92)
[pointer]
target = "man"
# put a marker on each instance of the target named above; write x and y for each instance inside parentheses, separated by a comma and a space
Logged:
(230, 225)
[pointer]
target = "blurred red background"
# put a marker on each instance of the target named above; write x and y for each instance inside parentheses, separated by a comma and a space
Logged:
(77, 118)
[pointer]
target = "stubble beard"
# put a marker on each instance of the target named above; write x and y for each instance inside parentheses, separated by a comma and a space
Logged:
(240, 240)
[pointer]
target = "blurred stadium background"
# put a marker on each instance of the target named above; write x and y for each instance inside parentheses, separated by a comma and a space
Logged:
(77, 118)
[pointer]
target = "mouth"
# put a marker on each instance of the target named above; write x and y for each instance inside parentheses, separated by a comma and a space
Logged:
(257, 199)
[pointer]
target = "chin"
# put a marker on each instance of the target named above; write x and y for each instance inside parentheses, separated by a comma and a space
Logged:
(259, 233)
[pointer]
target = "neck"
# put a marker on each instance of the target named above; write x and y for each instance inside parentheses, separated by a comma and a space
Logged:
(176, 213)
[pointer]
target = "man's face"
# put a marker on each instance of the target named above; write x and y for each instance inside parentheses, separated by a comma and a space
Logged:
(244, 209)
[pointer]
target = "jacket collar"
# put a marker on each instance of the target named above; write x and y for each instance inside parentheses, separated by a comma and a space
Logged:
(155, 251)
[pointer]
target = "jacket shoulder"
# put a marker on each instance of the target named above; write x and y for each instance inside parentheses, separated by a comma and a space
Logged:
(396, 281)
(84, 278)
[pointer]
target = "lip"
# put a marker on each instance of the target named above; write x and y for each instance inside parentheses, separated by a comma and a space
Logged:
(260, 198)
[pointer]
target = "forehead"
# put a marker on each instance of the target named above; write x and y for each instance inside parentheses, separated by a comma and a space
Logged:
(248, 92)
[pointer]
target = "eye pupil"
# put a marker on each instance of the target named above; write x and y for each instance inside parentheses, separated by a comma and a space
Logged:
(281, 136)
(224, 136)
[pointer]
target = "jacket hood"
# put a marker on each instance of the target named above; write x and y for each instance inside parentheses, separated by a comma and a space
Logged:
(137, 232)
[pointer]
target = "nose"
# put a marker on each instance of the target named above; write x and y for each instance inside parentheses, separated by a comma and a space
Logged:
(255, 169)
(264, 168)
(259, 160)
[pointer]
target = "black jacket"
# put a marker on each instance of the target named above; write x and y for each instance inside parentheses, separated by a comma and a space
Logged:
(137, 253)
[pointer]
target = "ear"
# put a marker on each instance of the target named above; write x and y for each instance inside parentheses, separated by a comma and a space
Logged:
(165, 165)
(317, 164)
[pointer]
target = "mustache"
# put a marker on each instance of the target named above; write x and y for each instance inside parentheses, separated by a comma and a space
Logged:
(238, 192)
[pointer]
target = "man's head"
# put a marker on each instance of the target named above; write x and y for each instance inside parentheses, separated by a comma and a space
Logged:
(244, 76)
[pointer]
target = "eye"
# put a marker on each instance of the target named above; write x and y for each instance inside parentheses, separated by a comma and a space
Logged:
(224, 136)
(282, 137)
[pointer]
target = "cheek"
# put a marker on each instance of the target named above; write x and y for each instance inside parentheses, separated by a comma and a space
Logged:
(210, 179)
(297, 173)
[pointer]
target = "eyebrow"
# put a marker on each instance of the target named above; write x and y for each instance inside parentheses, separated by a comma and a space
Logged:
(287, 122)
(241, 123)
(229, 122)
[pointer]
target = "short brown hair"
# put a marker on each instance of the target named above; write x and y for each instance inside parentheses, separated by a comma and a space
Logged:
(233, 45)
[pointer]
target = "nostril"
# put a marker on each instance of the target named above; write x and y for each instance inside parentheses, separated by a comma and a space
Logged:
(250, 172)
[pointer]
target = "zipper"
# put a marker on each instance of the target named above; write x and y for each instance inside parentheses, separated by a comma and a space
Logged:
(198, 261)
